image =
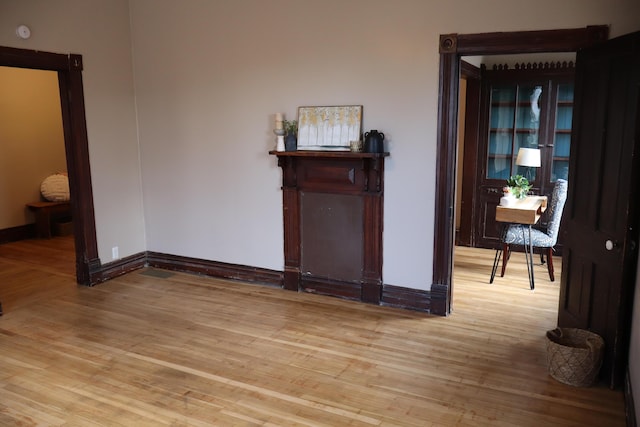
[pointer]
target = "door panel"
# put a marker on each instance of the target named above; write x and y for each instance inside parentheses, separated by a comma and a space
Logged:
(601, 215)
(490, 230)
(578, 297)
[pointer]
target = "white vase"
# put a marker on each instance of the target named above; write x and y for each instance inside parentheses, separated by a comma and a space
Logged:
(507, 200)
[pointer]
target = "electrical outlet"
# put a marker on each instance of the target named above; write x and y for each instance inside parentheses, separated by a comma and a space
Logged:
(114, 253)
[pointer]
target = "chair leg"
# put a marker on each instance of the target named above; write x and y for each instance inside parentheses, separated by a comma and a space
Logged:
(505, 258)
(550, 263)
(542, 257)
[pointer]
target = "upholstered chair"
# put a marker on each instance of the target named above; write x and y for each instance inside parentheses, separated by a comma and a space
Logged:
(544, 239)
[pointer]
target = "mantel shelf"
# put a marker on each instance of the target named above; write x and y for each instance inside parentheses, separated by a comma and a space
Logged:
(329, 154)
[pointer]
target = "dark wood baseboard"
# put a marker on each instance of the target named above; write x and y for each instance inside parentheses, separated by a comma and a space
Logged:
(215, 269)
(391, 296)
(439, 299)
(15, 234)
(334, 288)
(407, 298)
(119, 267)
(629, 403)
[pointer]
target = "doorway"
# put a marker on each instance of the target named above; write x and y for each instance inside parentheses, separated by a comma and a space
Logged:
(599, 135)
(452, 48)
(69, 70)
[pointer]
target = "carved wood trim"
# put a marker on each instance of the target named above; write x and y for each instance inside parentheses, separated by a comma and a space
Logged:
(535, 66)
(448, 43)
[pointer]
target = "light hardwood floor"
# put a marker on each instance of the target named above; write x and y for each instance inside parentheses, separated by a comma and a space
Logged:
(162, 348)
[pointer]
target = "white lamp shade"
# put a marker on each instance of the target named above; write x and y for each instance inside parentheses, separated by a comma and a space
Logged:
(529, 157)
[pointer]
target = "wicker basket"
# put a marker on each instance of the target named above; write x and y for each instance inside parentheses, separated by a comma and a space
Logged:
(574, 356)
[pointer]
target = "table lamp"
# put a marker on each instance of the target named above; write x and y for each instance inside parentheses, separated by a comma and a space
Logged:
(529, 158)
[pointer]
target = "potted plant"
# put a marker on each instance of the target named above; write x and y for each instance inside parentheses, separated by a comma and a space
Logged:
(291, 135)
(518, 186)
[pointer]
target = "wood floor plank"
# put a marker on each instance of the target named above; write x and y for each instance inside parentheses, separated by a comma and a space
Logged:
(179, 349)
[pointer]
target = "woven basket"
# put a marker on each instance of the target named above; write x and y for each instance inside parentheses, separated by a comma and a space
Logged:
(574, 356)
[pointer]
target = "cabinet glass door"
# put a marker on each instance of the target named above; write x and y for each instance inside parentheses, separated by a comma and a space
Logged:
(501, 119)
(514, 119)
(562, 132)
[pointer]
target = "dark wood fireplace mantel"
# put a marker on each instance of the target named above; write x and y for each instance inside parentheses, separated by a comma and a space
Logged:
(333, 216)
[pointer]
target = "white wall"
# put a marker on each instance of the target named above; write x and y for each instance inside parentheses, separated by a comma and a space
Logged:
(210, 76)
(99, 31)
(209, 79)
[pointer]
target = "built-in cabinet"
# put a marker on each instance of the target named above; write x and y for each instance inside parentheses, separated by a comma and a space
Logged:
(529, 115)
(528, 106)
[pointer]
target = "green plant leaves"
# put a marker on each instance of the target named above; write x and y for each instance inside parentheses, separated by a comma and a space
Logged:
(519, 186)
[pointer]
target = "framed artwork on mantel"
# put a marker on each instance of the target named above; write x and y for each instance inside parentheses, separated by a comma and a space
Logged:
(329, 128)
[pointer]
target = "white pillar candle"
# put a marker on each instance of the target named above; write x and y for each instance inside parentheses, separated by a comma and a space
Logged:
(278, 121)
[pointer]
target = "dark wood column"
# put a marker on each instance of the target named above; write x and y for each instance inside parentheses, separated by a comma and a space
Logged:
(291, 217)
(333, 216)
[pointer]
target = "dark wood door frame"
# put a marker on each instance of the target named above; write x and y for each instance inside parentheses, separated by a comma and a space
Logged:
(69, 69)
(469, 144)
(452, 48)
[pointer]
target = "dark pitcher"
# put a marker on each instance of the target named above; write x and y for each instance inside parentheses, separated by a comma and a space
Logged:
(374, 142)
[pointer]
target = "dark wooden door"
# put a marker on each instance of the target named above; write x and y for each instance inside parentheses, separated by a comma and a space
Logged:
(601, 215)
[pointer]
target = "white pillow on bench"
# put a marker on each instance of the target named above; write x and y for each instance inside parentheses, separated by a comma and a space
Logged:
(55, 188)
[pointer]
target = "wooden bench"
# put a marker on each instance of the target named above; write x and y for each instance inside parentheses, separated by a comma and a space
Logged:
(44, 212)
